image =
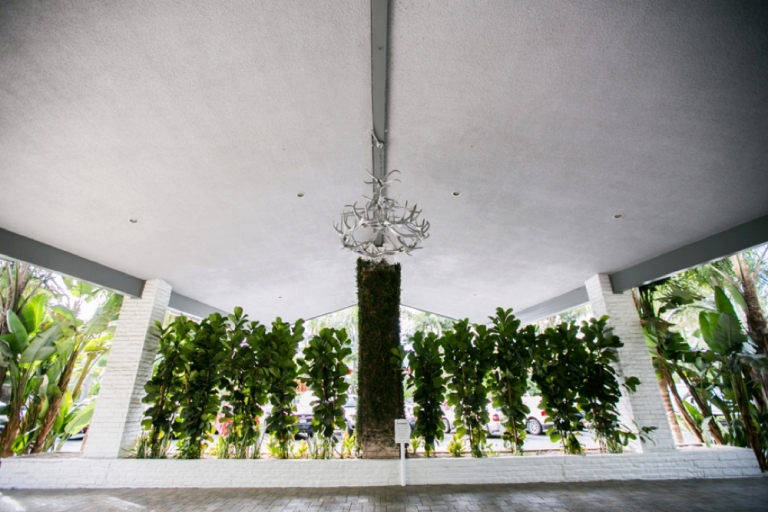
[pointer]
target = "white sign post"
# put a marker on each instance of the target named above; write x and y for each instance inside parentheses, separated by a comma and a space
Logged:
(402, 437)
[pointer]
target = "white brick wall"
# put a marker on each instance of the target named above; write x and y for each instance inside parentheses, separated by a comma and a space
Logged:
(644, 407)
(116, 421)
(63, 473)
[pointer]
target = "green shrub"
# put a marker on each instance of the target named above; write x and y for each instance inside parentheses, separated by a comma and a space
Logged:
(324, 372)
(600, 391)
(468, 361)
(244, 384)
(163, 391)
(203, 360)
(456, 445)
(278, 357)
(426, 378)
(559, 372)
(509, 379)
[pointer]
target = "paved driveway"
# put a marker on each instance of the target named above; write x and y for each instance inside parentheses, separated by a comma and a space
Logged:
(684, 496)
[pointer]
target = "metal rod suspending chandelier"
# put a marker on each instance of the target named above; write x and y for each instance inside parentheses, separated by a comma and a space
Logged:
(382, 227)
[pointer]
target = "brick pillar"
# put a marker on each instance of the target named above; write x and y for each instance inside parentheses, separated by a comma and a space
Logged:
(644, 407)
(116, 422)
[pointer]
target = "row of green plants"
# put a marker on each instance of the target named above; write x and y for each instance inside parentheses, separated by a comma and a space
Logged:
(234, 367)
(473, 366)
(708, 339)
(47, 353)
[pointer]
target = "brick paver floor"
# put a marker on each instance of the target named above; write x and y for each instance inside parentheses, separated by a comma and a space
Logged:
(743, 495)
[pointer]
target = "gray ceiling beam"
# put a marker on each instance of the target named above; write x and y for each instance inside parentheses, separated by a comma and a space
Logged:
(723, 244)
(731, 241)
(555, 305)
(379, 52)
(192, 307)
(17, 247)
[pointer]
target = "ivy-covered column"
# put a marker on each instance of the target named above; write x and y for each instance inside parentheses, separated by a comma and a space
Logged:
(380, 383)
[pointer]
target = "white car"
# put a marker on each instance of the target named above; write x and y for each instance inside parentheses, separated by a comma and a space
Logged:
(494, 427)
(448, 416)
(350, 413)
(537, 421)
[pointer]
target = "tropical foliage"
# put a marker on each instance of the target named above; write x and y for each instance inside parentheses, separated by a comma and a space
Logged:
(426, 378)
(468, 353)
(46, 346)
(706, 331)
(244, 386)
(323, 370)
(515, 350)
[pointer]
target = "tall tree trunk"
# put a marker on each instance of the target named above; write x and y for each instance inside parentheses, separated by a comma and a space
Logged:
(703, 405)
(756, 324)
(380, 382)
(750, 425)
(689, 422)
(11, 429)
(757, 327)
(671, 416)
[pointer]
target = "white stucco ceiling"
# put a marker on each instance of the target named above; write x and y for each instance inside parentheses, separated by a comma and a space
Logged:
(205, 120)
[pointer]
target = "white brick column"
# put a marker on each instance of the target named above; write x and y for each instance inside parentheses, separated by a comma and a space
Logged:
(116, 422)
(644, 407)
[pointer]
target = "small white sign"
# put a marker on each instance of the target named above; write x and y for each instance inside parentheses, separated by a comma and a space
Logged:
(402, 432)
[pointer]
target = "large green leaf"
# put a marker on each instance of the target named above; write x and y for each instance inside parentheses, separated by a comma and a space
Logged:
(42, 346)
(81, 420)
(33, 312)
(728, 332)
(723, 303)
(707, 324)
(6, 354)
(20, 337)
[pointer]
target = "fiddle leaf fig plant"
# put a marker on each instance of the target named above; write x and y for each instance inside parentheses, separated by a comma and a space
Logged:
(324, 372)
(244, 385)
(508, 381)
(559, 371)
(164, 388)
(426, 378)
(278, 357)
(600, 391)
(203, 360)
(468, 361)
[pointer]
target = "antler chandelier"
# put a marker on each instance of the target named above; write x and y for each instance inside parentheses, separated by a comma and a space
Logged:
(382, 227)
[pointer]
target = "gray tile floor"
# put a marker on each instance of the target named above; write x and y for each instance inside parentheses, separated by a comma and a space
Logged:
(743, 495)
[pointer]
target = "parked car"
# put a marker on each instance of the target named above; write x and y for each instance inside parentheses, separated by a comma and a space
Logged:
(448, 416)
(495, 427)
(350, 413)
(538, 421)
(222, 423)
(304, 414)
(80, 435)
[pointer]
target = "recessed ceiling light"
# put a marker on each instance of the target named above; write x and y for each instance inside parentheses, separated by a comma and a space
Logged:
(618, 216)
(134, 221)
(456, 194)
(300, 194)
(280, 297)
